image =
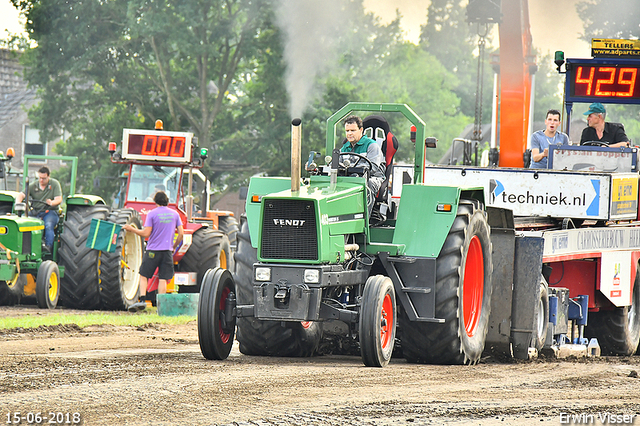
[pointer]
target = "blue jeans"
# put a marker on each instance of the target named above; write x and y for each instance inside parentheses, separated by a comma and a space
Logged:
(50, 219)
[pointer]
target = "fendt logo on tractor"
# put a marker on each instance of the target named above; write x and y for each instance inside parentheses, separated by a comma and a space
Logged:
(289, 222)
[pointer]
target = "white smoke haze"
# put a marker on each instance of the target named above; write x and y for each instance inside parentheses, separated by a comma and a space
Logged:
(311, 30)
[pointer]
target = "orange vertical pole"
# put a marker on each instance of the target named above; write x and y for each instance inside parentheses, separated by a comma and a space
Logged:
(515, 81)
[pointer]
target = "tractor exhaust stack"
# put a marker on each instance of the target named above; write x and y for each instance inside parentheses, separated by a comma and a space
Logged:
(296, 137)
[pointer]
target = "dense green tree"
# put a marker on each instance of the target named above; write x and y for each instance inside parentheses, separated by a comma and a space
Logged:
(548, 88)
(216, 69)
(139, 60)
(609, 18)
(454, 42)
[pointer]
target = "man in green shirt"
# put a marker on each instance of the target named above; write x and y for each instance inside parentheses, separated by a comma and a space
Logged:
(46, 197)
(360, 144)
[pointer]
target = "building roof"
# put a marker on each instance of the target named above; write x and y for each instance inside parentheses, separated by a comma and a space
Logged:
(10, 104)
(13, 89)
(11, 72)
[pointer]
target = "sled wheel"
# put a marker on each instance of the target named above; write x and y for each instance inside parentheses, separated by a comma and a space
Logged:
(541, 322)
(216, 337)
(618, 330)
(377, 325)
(48, 285)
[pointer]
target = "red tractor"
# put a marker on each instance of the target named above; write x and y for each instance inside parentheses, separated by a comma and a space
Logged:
(163, 160)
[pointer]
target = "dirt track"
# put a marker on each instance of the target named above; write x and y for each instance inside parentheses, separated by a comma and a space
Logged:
(156, 375)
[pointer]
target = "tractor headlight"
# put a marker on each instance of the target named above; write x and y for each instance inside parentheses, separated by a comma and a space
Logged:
(311, 276)
(263, 273)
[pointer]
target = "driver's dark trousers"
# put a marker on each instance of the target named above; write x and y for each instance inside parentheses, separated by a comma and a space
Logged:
(50, 219)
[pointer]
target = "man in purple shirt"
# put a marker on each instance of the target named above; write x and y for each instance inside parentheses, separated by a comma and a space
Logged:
(160, 226)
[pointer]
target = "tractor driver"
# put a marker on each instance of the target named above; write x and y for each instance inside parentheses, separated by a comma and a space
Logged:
(360, 144)
(46, 197)
(611, 134)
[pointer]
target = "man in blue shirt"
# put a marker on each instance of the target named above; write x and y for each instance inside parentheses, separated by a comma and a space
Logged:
(360, 144)
(541, 140)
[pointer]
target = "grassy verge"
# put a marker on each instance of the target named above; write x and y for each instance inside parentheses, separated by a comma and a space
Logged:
(93, 318)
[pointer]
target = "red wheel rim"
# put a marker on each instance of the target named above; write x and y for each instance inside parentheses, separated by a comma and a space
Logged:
(224, 337)
(473, 286)
(305, 324)
(386, 321)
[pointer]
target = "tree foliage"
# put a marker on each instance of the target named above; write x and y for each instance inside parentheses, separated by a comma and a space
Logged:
(216, 68)
(120, 62)
(609, 18)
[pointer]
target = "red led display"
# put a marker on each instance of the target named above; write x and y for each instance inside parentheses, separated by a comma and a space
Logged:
(153, 145)
(157, 146)
(604, 81)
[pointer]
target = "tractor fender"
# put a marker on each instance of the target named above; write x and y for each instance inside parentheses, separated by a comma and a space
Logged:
(84, 200)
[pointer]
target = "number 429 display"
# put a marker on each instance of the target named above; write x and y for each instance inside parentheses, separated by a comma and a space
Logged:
(604, 81)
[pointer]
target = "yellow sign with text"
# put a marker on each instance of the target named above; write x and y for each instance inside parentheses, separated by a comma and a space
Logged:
(608, 48)
(624, 196)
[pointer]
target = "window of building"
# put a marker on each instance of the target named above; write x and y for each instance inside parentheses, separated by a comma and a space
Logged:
(32, 143)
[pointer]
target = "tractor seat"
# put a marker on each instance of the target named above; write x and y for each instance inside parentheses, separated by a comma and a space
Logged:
(377, 128)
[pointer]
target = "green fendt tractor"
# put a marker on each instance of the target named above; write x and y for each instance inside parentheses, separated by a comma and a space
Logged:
(72, 274)
(420, 279)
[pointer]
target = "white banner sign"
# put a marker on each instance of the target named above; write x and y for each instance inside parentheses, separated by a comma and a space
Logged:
(527, 192)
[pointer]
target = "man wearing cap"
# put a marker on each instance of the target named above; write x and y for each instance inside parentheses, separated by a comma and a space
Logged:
(608, 133)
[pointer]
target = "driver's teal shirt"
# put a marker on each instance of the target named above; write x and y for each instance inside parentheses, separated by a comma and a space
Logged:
(361, 146)
(370, 149)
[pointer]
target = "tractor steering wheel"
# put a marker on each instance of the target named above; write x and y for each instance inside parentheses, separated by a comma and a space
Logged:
(360, 158)
(594, 143)
(32, 200)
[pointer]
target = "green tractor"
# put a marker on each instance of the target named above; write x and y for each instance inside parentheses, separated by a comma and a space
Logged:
(72, 274)
(421, 279)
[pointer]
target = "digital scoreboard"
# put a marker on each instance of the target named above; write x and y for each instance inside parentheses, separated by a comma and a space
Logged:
(156, 146)
(603, 80)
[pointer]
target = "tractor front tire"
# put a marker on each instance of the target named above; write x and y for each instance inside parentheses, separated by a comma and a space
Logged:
(214, 335)
(209, 249)
(81, 284)
(48, 285)
(377, 325)
(463, 295)
(267, 338)
(618, 330)
(119, 271)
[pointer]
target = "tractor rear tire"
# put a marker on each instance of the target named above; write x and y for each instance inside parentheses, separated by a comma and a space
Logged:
(618, 330)
(229, 225)
(119, 271)
(80, 287)
(541, 318)
(209, 249)
(267, 338)
(463, 296)
(377, 325)
(48, 285)
(215, 337)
